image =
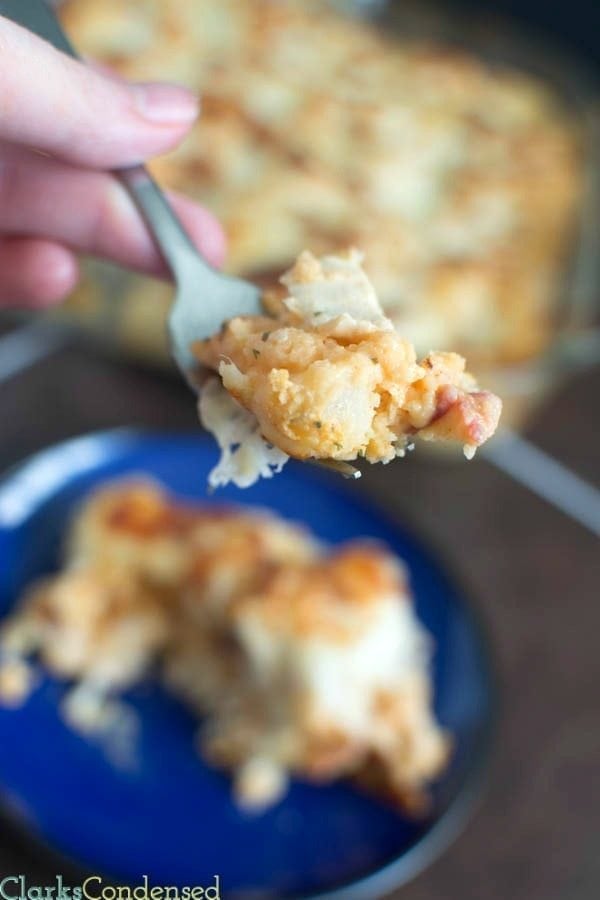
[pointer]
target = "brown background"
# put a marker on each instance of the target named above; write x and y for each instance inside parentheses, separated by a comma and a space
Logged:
(535, 576)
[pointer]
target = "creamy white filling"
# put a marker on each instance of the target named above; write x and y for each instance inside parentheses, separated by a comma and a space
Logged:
(341, 289)
(245, 455)
(340, 679)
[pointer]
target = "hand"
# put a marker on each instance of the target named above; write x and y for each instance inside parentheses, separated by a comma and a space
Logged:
(63, 126)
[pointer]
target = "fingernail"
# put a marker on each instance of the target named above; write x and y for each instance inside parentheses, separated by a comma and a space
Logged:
(165, 104)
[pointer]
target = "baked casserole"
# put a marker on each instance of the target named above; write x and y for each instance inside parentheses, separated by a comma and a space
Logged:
(299, 660)
(458, 180)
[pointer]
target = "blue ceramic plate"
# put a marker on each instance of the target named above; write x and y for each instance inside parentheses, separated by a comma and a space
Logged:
(164, 814)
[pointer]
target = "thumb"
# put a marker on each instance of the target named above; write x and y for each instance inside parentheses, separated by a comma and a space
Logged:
(53, 103)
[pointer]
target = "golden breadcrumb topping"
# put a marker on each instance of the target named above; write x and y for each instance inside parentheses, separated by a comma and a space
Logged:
(137, 527)
(333, 598)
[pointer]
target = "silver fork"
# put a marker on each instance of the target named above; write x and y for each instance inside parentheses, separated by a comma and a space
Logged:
(205, 298)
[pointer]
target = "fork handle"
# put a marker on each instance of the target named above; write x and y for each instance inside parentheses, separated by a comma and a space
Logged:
(171, 237)
(168, 232)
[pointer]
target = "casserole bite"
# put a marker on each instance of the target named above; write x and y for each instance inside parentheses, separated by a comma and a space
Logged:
(326, 376)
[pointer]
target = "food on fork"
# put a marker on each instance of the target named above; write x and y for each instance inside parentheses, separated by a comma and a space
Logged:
(300, 660)
(324, 375)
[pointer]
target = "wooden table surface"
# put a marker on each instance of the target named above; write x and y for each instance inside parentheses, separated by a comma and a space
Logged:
(534, 574)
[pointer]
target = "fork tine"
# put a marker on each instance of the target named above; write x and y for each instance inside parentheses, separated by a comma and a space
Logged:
(345, 469)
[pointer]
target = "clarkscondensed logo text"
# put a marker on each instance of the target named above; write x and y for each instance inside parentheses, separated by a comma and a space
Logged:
(16, 887)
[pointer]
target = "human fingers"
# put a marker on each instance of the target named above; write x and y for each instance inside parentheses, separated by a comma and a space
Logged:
(73, 111)
(91, 212)
(35, 273)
